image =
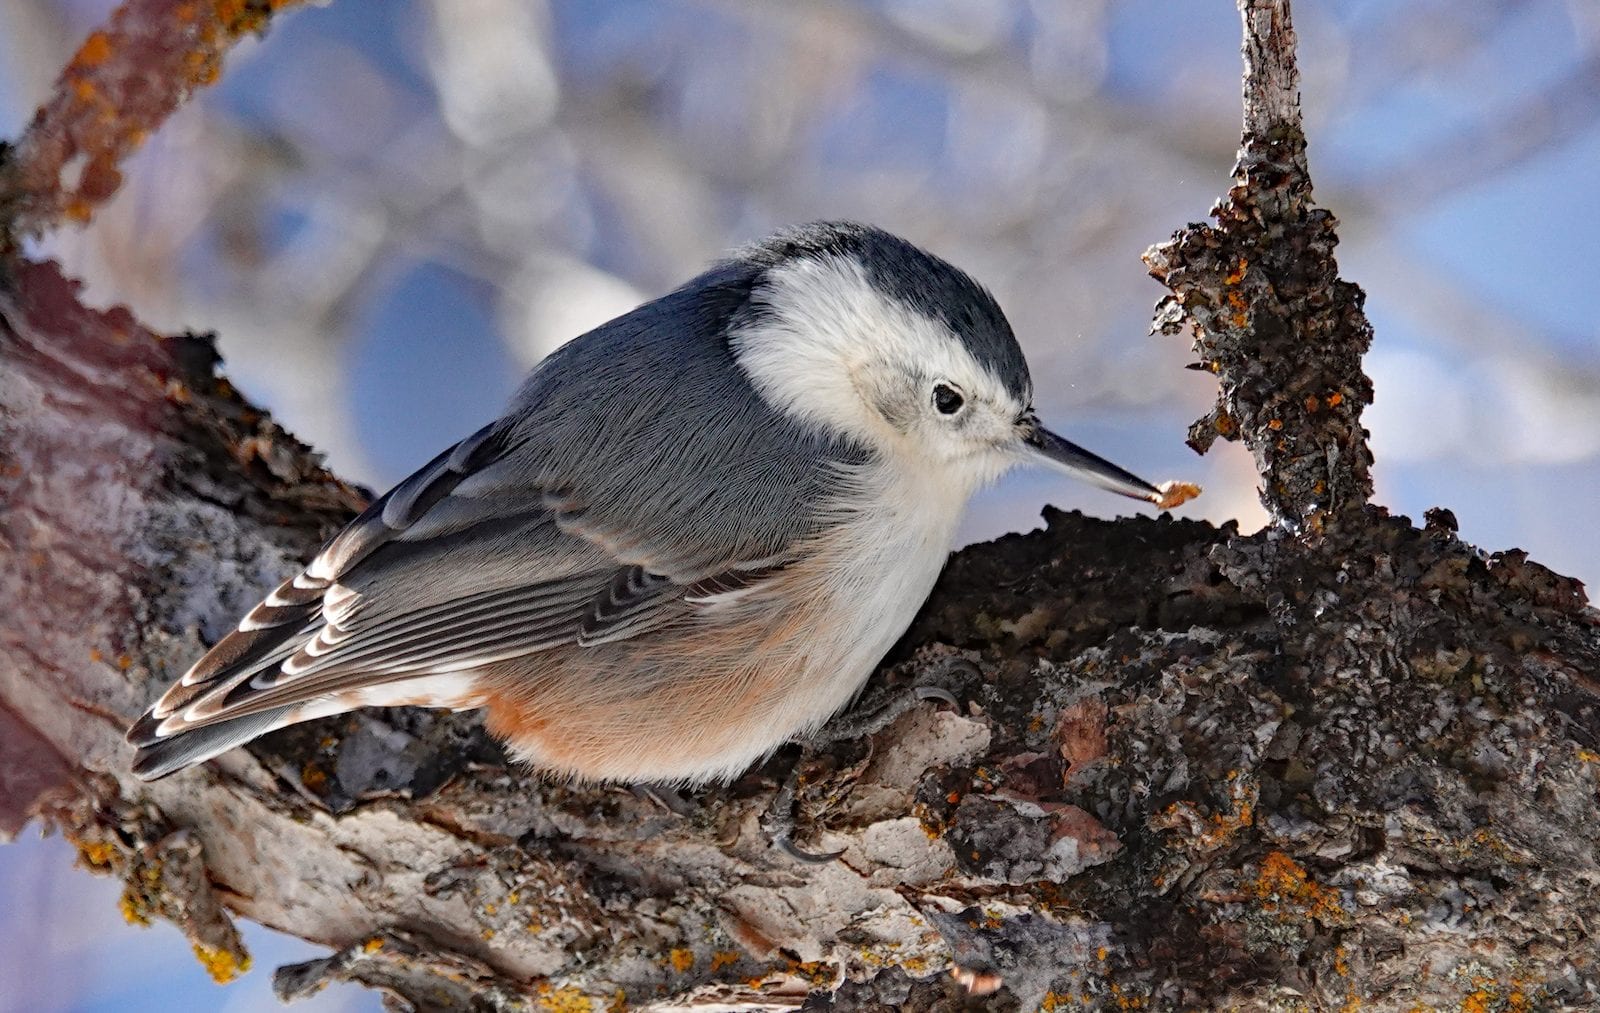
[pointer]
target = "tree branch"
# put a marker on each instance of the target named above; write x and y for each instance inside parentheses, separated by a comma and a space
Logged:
(1194, 769)
(1261, 293)
(120, 86)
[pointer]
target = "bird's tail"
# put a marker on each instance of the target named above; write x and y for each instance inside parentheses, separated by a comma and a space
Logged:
(158, 757)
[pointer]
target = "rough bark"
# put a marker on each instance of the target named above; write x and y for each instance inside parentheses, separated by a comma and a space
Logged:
(1344, 761)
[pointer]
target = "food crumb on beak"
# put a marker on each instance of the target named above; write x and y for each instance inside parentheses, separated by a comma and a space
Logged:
(1174, 494)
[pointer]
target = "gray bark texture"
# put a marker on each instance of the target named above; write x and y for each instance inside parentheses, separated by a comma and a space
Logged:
(1343, 763)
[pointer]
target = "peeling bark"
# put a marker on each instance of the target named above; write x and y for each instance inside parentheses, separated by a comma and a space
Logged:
(1342, 761)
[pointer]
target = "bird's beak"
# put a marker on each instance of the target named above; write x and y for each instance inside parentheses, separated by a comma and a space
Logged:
(1042, 446)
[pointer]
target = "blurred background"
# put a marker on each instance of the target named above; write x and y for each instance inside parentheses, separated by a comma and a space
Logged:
(389, 211)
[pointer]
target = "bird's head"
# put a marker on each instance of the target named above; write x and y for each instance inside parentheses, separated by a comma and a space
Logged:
(863, 334)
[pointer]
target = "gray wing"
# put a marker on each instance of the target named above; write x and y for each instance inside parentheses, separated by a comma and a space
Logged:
(636, 473)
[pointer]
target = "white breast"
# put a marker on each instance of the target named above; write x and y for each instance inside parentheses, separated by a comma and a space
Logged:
(884, 560)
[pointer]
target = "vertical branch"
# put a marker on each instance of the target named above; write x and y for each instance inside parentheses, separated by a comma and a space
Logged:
(1261, 294)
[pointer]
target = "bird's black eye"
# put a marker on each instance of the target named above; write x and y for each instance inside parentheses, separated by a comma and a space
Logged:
(947, 399)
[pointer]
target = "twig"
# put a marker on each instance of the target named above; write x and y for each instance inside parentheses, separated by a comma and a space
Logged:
(1261, 292)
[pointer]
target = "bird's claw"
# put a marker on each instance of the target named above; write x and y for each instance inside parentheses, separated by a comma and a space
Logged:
(784, 843)
(938, 693)
(779, 820)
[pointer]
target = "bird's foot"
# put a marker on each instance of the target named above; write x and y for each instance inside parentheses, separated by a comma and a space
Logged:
(779, 819)
(879, 710)
(875, 714)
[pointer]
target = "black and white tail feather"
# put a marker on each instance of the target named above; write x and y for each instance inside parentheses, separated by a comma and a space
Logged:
(279, 666)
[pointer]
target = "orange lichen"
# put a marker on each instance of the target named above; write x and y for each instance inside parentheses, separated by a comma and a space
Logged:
(815, 971)
(682, 960)
(1208, 833)
(1275, 424)
(566, 1000)
(724, 958)
(96, 854)
(1236, 302)
(1284, 886)
(1478, 1002)
(372, 945)
(1335, 399)
(96, 49)
(133, 909)
(222, 964)
(1235, 276)
(1125, 1000)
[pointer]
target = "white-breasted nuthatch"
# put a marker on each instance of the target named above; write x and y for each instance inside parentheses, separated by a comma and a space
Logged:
(690, 538)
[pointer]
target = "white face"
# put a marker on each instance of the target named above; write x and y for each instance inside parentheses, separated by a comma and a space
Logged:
(836, 352)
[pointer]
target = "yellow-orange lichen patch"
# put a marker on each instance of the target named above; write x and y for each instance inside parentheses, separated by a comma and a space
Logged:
(682, 960)
(818, 972)
(1284, 886)
(133, 910)
(96, 49)
(95, 854)
(1236, 275)
(723, 958)
(566, 1000)
(223, 965)
(1204, 833)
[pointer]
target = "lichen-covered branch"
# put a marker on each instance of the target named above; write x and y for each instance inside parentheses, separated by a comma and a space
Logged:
(120, 86)
(1191, 770)
(1261, 294)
